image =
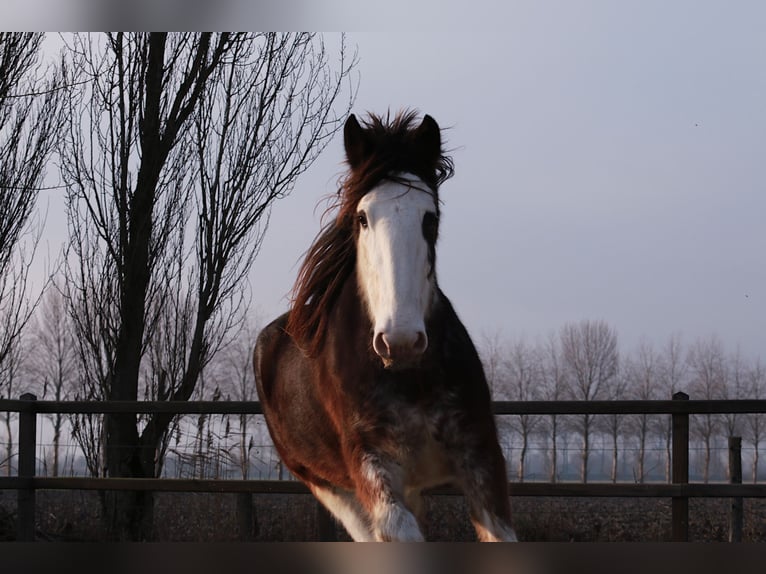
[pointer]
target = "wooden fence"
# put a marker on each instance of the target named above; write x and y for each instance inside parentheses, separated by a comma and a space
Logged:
(679, 490)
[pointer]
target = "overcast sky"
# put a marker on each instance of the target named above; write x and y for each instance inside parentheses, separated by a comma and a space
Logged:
(610, 164)
(609, 159)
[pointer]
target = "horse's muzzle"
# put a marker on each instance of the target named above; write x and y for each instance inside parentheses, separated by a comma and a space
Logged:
(400, 349)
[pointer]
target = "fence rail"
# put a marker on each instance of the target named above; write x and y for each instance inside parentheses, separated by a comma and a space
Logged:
(590, 489)
(680, 490)
(622, 407)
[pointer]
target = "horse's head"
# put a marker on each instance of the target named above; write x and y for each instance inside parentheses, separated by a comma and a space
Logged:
(396, 224)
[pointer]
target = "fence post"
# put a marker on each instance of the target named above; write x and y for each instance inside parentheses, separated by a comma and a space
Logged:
(245, 517)
(735, 477)
(680, 504)
(25, 527)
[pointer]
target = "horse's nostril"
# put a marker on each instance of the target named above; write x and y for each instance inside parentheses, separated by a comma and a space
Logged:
(392, 347)
(380, 344)
(421, 343)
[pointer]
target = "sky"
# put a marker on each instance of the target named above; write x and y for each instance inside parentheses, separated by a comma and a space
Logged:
(609, 164)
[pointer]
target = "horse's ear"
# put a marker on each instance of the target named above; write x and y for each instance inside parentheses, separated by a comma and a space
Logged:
(356, 141)
(429, 140)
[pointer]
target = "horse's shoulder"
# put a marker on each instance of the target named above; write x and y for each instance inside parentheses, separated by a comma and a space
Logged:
(272, 331)
(268, 340)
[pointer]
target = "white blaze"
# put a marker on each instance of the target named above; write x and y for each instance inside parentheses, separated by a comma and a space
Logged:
(393, 269)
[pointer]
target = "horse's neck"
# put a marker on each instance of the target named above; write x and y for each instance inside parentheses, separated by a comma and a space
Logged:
(348, 327)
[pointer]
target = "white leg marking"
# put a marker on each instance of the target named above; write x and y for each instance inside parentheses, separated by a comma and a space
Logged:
(394, 523)
(490, 528)
(391, 521)
(344, 506)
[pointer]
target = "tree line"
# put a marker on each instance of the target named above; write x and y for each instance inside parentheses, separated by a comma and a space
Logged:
(46, 363)
(582, 361)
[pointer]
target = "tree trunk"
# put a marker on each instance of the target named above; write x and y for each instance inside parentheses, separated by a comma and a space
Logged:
(642, 450)
(122, 510)
(57, 422)
(125, 510)
(585, 449)
(58, 419)
(554, 450)
(668, 457)
(243, 447)
(8, 445)
(522, 455)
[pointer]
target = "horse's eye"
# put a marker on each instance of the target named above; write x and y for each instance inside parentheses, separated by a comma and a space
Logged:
(361, 217)
(430, 226)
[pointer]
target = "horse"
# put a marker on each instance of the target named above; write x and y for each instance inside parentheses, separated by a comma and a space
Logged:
(370, 385)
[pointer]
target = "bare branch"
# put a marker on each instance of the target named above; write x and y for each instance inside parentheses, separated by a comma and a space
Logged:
(29, 124)
(174, 152)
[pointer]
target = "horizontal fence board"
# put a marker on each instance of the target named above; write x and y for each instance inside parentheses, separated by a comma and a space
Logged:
(294, 487)
(155, 484)
(143, 407)
(630, 407)
(680, 491)
(592, 489)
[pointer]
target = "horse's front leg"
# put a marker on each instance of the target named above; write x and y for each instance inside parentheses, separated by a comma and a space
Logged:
(483, 479)
(380, 489)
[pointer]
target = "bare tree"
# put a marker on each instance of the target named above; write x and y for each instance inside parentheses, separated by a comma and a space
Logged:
(54, 361)
(755, 424)
(521, 378)
(230, 441)
(29, 121)
(614, 425)
(553, 388)
(590, 359)
(491, 351)
(643, 383)
(735, 386)
(11, 375)
(94, 328)
(672, 374)
(177, 148)
(236, 370)
(707, 369)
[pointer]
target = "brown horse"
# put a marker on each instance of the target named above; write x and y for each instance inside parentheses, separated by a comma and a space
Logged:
(371, 387)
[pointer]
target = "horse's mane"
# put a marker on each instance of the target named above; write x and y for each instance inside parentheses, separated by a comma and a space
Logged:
(392, 149)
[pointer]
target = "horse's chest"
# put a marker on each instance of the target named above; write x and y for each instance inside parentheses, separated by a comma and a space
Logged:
(424, 461)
